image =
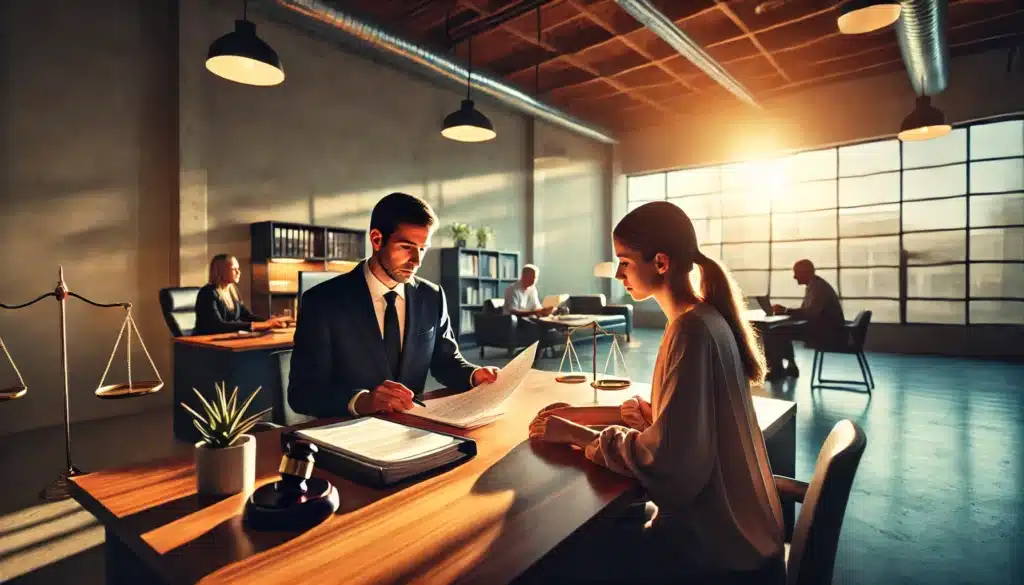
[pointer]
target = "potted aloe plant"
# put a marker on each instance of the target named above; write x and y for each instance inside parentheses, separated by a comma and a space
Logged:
(226, 457)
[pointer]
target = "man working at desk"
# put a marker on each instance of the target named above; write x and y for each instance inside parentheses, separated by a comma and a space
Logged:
(820, 308)
(521, 297)
(365, 339)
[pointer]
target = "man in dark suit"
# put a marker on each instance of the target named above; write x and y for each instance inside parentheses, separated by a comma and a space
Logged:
(365, 339)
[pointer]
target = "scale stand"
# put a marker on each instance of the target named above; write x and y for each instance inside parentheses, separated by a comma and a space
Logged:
(613, 383)
(59, 489)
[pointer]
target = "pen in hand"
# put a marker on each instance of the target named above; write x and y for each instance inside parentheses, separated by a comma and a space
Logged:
(418, 401)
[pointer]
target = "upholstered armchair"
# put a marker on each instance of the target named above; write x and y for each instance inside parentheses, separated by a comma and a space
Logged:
(493, 328)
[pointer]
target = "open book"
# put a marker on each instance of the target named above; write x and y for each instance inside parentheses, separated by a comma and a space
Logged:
(483, 404)
(380, 451)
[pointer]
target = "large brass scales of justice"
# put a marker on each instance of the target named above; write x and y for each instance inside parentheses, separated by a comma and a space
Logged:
(58, 490)
(613, 382)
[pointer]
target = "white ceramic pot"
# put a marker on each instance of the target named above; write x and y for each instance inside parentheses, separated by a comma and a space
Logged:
(221, 472)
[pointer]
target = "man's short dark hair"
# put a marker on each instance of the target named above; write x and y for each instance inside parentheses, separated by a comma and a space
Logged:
(398, 208)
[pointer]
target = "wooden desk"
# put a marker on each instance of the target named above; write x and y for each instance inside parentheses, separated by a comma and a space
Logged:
(276, 339)
(245, 361)
(485, 521)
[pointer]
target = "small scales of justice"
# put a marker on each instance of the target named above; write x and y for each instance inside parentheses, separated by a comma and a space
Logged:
(58, 490)
(615, 357)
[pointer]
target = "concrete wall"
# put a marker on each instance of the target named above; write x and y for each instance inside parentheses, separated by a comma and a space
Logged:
(570, 212)
(87, 180)
(128, 163)
(340, 133)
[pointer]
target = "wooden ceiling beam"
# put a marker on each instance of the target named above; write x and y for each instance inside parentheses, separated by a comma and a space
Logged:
(731, 15)
(625, 40)
(608, 41)
(574, 61)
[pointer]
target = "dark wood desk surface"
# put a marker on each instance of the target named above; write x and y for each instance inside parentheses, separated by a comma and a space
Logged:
(275, 339)
(485, 521)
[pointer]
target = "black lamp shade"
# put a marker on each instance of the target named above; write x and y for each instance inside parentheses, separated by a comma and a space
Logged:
(924, 123)
(243, 57)
(467, 124)
(864, 16)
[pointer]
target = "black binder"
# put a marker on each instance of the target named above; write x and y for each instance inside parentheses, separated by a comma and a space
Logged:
(360, 471)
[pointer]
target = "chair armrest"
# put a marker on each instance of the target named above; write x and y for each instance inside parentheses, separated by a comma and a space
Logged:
(495, 328)
(790, 489)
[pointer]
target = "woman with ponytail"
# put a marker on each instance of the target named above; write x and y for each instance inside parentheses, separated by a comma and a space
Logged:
(696, 447)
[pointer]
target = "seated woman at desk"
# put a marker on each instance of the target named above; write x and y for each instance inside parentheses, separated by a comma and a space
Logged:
(696, 447)
(218, 306)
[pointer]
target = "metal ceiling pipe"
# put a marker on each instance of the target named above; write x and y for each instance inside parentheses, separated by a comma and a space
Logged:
(921, 31)
(646, 14)
(320, 17)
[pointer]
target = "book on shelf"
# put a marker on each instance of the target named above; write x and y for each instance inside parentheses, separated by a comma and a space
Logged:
(483, 404)
(466, 322)
(508, 268)
(469, 265)
(381, 452)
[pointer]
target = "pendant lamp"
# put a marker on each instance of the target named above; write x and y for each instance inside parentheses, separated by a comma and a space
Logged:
(467, 124)
(864, 16)
(924, 123)
(243, 57)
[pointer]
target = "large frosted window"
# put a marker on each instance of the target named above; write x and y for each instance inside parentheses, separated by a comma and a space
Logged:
(919, 232)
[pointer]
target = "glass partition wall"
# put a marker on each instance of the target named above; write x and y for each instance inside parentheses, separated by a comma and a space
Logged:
(925, 232)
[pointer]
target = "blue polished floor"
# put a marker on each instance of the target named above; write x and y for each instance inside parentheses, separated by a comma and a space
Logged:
(938, 499)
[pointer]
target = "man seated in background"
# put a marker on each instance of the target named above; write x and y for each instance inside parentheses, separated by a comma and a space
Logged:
(522, 298)
(523, 301)
(820, 308)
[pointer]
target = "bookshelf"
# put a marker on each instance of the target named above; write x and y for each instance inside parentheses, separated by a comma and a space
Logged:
(280, 250)
(469, 277)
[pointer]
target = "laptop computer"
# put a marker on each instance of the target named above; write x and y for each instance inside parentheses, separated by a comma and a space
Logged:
(765, 304)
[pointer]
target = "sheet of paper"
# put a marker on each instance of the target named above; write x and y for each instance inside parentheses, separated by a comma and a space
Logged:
(485, 400)
(378, 440)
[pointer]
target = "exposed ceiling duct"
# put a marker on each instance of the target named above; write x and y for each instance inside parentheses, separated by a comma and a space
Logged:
(921, 31)
(646, 14)
(320, 17)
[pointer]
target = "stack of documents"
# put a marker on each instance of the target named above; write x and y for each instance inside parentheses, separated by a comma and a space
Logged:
(483, 404)
(380, 451)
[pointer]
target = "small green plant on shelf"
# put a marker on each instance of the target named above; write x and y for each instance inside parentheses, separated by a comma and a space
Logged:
(460, 232)
(224, 422)
(484, 237)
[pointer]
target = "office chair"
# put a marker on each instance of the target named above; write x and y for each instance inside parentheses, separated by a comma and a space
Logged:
(811, 555)
(178, 305)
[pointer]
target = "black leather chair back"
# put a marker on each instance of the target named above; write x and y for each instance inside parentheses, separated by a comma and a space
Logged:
(587, 304)
(179, 308)
(493, 305)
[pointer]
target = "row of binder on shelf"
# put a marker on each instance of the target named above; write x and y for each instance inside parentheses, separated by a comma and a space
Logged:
(294, 242)
(475, 296)
(344, 245)
(488, 267)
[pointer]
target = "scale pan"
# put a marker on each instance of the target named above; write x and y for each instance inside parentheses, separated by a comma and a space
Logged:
(123, 390)
(12, 393)
(571, 379)
(611, 384)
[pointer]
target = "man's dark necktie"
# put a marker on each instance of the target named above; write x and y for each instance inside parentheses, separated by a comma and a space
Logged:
(392, 333)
